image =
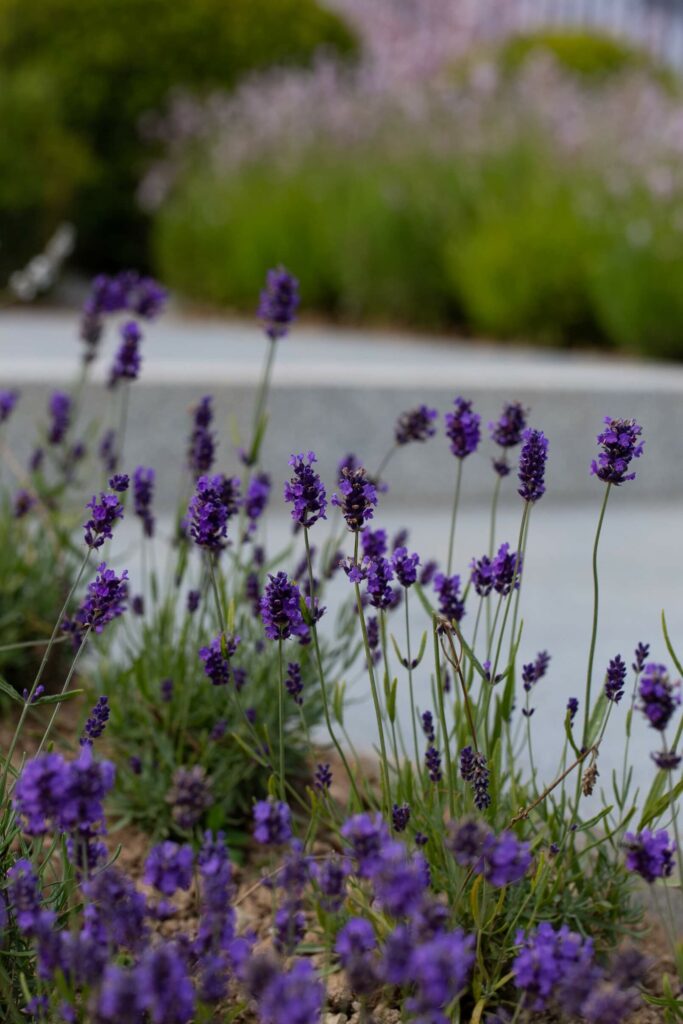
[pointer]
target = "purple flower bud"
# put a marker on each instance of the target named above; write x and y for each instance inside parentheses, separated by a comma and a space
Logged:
(358, 498)
(451, 606)
(323, 777)
(535, 670)
(97, 722)
(169, 867)
(105, 513)
(433, 764)
(189, 796)
(8, 400)
(278, 303)
(507, 431)
(650, 854)
(127, 362)
(217, 656)
(293, 682)
(659, 696)
(105, 601)
(400, 816)
(143, 492)
(463, 429)
(215, 501)
(280, 608)
(620, 445)
(474, 769)
(532, 462)
(415, 425)
(615, 679)
(305, 491)
(272, 823)
(405, 566)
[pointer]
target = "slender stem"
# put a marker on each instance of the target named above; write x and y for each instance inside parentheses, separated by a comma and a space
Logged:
(123, 421)
(64, 689)
(442, 717)
(39, 676)
(454, 515)
(281, 720)
(413, 712)
(494, 515)
(509, 602)
(262, 396)
(456, 662)
(321, 673)
(386, 789)
(594, 631)
(674, 821)
(387, 684)
(385, 462)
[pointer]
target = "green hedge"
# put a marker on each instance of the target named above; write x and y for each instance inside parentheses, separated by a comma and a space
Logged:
(104, 63)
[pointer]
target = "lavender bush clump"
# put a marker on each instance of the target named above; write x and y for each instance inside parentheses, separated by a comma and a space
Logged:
(458, 880)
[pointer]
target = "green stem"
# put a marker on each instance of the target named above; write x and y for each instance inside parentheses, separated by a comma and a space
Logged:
(509, 602)
(454, 515)
(39, 676)
(123, 421)
(386, 789)
(442, 718)
(594, 631)
(413, 712)
(64, 689)
(281, 721)
(321, 673)
(262, 398)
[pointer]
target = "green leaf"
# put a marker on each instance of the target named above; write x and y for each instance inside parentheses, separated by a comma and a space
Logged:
(596, 718)
(669, 645)
(391, 701)
(10, 692)
(57, 698)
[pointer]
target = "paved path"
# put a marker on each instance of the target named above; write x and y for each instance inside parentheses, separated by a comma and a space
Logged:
(339, 390)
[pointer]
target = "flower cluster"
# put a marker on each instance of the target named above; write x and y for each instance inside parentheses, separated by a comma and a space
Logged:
(620, 445)
(474, 769)
(60, 417)
(615, 679)
(279, 303)
(104, 513)
(64, 796)
(451, 604)
(124, 292)
(217, 658)
(97, 722)
(501, 859)
(405, 566)
(532, 462)
(127, 362)
(659, 696)
(463, 428)
(215, 501)
(305, 491)
(105, 601)
(143, 493)
(649, 854)
(415, 425)
(357, 499)
(201, 449)
(281, 608)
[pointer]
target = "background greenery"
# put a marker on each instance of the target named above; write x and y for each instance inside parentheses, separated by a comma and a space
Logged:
(78, 74)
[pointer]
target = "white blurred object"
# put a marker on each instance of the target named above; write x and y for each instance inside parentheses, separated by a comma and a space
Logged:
(41, 272)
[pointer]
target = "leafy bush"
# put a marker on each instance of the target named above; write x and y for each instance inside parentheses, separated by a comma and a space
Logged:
(461, 883)
(102, 66)
(590, 56)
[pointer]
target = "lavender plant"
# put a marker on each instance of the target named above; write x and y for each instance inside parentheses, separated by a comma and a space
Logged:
(457, 885)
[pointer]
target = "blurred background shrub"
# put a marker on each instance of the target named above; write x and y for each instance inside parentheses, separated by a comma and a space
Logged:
(78, 75)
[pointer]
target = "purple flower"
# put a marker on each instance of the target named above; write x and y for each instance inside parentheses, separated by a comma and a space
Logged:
(379, 576)
(400, 880)
(323, 777)
(358, 498)
(127, 362)
(507, 569)
(65, 796)
(292, 997)
(201, 449)
(572, 709)
(105, 601)
(535, 670)
(666, 760)
(278, 303)
(119, 996)
(620, 445)
(215, 501)
(649, 854)
(433, 764)
(640, 656)
(440, 969)
(216, 658)
(24, 501)
(143, 492)
(428, 572)
(463, 428)
(217, 920)
(119, 482)
(405, 566)
(607, 1003)
(451, 606)
(415, 425)
(481, 575)
(305, 491)
(545, 961)
(504, 859)
(615, 679)
(193, 599)
(508, 429)
(166, 991)
(272, 822)
(400, 816)
(60, 414)
(373, 542)
(8, 400)
(256, 500)
(659, 696)
(532, 462)
(169, 867)
(427, 722)
(474, 769)
(289, 927)
(189, 796)
(97, 722)
(367, 834)
(104, 514)
(280, 608)
(293, 682)
(331, 878)
(24, 895)
(356, 938)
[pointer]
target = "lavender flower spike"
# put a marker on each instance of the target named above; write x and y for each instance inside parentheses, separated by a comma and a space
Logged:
(463, 429)
(358, 498)
(305, 491)
(620, 445)
(278, 303)
(532, 462)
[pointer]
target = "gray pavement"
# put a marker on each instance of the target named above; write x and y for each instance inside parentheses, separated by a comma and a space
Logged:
(339, 390)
